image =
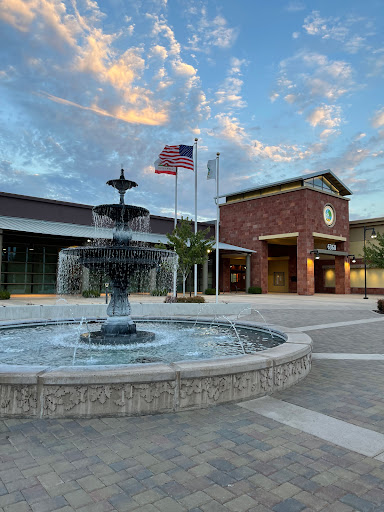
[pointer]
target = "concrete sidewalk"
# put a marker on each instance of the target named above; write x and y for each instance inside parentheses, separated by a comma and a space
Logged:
(226, 458)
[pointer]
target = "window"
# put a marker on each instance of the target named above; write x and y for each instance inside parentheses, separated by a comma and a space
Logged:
(279, 278)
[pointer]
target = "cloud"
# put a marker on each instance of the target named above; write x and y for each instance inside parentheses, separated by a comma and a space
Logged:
(158, 51)
(230, 91)
(313, 84)
(378, 118)
(208, 33)
(332, 28)
(231, 130)
(295, 7)
(145, 116)
(326, 115)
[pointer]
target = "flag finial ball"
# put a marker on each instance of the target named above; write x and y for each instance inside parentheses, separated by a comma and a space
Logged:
(196, 139)
(218, 154)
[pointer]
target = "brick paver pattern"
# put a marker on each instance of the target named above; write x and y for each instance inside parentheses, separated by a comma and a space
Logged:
(219, 459)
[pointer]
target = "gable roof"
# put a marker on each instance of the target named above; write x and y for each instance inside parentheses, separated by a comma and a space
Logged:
(328, 174)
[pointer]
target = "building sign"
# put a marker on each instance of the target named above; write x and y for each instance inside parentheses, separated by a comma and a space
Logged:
(329, 215)
(331, 247)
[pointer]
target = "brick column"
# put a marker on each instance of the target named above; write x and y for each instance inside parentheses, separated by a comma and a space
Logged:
(342, 275)
(292, 267)
(305, 265)
(225, 275)
(264, 267)
(205, 276)
(248, 272)
(1, 251)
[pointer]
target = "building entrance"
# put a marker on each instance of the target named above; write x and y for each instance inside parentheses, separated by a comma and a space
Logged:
(237, 276)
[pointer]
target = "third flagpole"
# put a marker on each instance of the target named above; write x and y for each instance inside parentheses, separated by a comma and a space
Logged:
(175, 226)
(217, 226)
(195, 166)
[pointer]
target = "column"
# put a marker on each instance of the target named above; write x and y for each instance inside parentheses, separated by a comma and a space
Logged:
(205, 276)
(225, 275)
(342, 275)
(248, 272)
(305, 265)
(152, 279)
(1, 251)
(264, 267)
(85, 279)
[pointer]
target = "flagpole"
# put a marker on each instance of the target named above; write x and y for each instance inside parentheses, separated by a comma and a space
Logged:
(217, 226)
(175, 225)
(195, 166)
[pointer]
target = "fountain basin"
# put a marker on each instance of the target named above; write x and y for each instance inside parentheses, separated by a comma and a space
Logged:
(126, 390)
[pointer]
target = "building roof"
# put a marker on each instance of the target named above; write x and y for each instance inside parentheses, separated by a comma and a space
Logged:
(364, 222)
(67, 230)
(328, 174)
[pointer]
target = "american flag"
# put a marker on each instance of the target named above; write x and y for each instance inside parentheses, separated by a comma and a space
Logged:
(177, 156)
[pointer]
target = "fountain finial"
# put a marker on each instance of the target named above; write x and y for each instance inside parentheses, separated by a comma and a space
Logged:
(122, 185)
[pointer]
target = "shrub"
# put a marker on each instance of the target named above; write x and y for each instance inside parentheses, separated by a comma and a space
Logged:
(380, 305)
(191, 300)
(170, 299)
(186, 300)
(210, 291)
(4, 295)
(91, 293)
(159, 292)
(254, 289)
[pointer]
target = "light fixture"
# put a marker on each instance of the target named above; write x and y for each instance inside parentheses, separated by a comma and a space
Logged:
(316, 253)
(89, 240)
(352, 256)
(31, 248)
(373, 233)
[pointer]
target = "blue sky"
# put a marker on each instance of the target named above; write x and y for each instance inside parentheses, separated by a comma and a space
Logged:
(279, 88)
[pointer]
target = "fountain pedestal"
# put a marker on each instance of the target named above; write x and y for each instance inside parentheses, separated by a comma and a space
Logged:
(119, 260)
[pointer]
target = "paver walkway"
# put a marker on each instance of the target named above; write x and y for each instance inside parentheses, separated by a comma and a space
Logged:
(225, 458)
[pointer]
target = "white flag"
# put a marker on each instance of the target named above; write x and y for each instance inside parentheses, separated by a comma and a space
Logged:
(211, 170)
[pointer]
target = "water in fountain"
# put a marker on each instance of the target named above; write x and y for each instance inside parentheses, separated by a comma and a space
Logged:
(119, 258)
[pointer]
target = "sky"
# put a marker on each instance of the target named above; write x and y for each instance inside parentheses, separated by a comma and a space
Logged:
(280, 88)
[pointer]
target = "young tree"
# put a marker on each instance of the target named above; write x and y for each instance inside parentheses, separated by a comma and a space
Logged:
(374, 253)
(191, 248)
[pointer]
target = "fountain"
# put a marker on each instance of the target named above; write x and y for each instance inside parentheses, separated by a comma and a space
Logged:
(118, 259)
(198, 367)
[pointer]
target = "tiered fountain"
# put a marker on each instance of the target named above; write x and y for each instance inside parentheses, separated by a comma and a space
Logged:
(119, 259)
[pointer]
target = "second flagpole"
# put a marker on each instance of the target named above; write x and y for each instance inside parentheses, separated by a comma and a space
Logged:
(217, 226)
(195, 165)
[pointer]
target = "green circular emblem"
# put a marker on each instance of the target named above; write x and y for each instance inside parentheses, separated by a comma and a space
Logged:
(329, 215)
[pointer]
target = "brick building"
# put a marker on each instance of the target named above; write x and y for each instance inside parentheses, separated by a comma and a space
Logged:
(298, 228)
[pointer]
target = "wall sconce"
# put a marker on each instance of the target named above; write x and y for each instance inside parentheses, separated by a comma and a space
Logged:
(352, 256)
(316, 253)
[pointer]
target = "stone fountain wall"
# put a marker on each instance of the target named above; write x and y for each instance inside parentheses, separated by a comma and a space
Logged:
(152, 388)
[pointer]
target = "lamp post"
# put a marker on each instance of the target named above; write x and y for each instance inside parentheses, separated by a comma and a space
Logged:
(106, 292)
(373, 235)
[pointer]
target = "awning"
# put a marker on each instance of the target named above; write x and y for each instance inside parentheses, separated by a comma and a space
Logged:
(228, 247)
(332, 253)
(66, 230)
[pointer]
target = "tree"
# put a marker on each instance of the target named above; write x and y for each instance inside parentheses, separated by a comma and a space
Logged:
(374, 253)
(191, 248)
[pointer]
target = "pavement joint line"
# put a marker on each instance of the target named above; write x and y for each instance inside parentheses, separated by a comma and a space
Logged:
(338, 324)
(346, 356)
(358, 439)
